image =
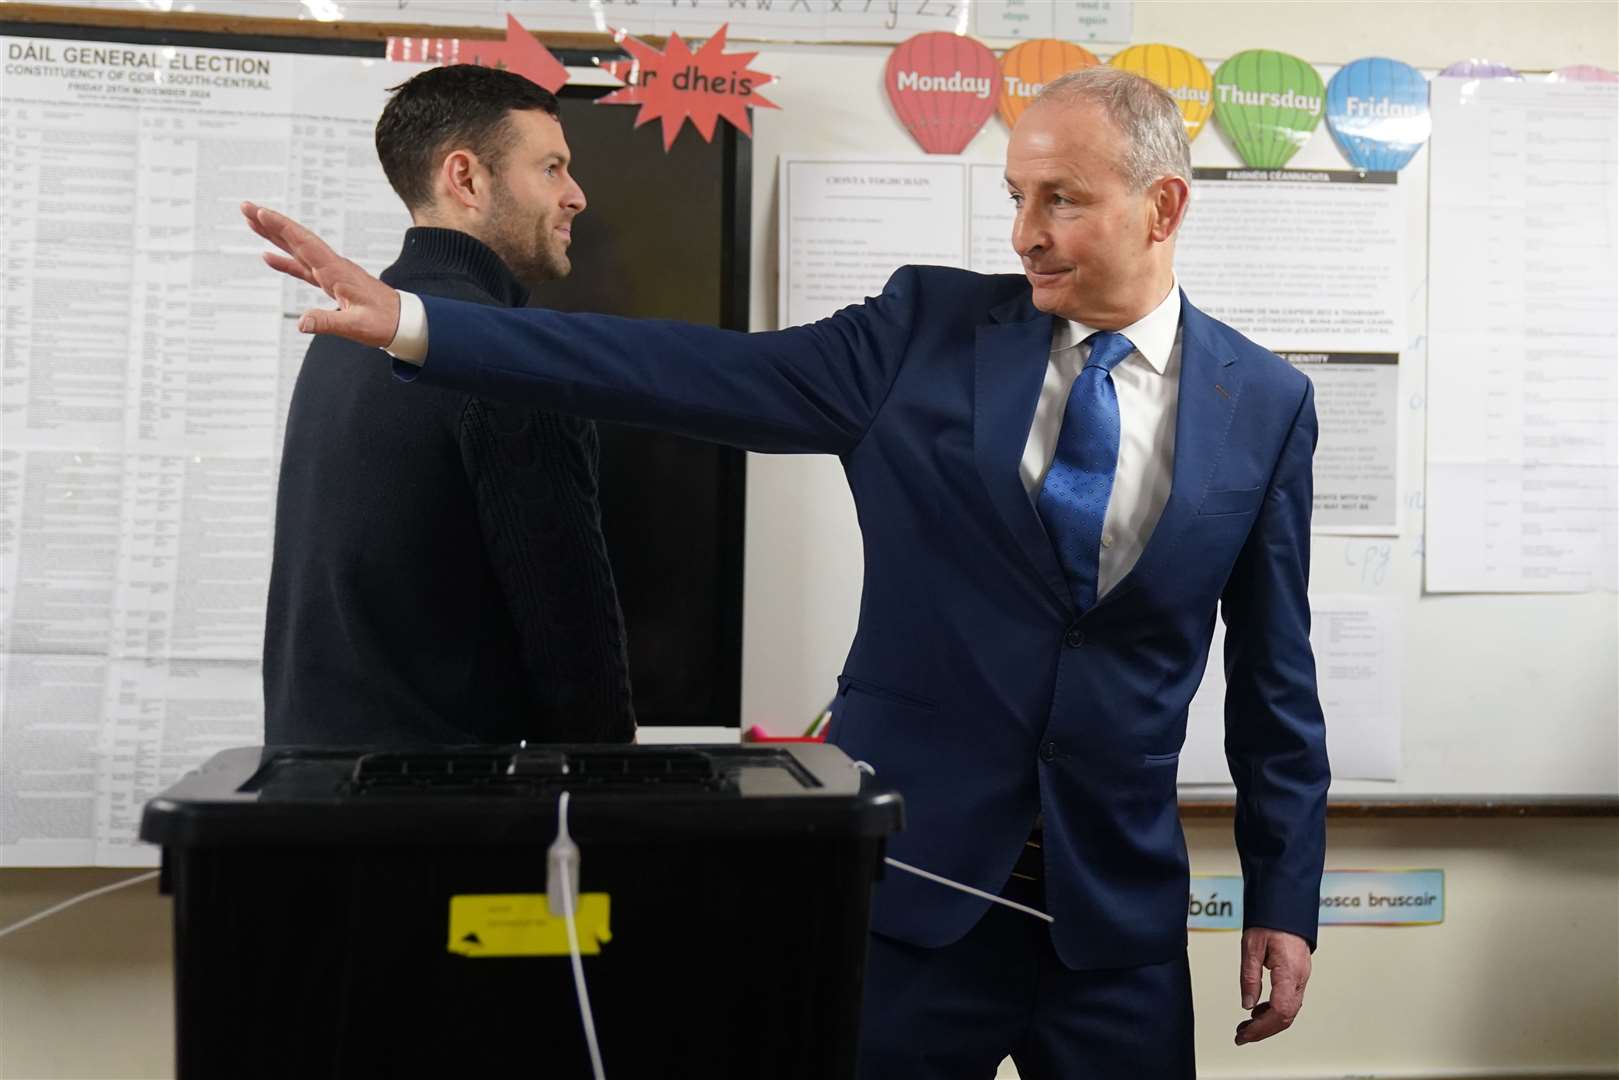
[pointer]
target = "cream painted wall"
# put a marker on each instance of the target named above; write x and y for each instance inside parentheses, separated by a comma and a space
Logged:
(1523, 978)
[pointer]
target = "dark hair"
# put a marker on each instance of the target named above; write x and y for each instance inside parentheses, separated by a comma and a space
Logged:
(460, 106)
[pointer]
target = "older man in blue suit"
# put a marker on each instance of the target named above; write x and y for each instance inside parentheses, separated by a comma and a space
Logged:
(1060, 479)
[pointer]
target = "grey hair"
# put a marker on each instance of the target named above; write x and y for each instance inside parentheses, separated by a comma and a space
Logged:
(1138, 107)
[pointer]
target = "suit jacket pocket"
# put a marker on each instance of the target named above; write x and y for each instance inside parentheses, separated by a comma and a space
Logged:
(1160, 759)
(1230, 501)
(847, 684)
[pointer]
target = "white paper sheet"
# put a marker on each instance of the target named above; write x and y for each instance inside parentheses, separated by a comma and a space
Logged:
(989, 224)
(1356, 464)
(1357, 644)
(147, 363)
(1522, 484)
(847, 225)
(161, 718)
(1300, 260)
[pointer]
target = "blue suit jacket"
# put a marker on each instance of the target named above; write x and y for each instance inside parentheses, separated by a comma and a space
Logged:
(973, 685)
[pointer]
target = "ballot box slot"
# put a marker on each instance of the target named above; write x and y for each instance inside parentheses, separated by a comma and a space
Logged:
(534, 773)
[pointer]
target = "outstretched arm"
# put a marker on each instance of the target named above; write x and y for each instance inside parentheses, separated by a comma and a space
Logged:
(808, 389)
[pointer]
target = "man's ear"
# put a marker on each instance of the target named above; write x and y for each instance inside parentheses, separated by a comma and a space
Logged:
(462, 181)
(1168, 196)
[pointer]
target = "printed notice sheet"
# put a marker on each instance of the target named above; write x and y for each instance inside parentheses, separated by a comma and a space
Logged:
(1311, 264)
(147, 360)
(1523, 486)
(1357, 398)
(1300, 260)
(1357, 645)
(847, 225)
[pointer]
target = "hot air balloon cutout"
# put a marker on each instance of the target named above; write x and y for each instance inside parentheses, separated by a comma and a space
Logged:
(1479, 69)
(1377, 109)
(943, 87)
(1583, 73)
(677, 85)
(1026, 68)
(517, 52)
(1269, 104)
(1185, 77)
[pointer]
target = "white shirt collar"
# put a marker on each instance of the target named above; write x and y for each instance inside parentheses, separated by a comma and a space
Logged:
(1153, 334)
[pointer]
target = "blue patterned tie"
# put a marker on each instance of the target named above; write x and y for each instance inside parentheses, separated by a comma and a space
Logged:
(1073, 498)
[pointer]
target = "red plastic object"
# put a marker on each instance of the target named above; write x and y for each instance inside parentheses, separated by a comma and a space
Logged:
(759, 734)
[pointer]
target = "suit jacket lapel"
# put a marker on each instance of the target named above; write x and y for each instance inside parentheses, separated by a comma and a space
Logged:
(1210, 384)
(1012, 352)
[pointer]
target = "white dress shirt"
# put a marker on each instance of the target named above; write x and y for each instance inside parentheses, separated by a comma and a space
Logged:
(1147, 383)
(410, 339)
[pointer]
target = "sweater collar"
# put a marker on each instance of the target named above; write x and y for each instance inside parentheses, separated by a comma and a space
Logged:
(428, 249)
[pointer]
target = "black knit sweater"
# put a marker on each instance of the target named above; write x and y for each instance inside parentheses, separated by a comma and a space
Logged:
(440, 574)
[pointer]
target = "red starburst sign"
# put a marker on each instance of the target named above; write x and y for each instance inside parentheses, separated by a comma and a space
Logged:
(677, 85)
(518, 53)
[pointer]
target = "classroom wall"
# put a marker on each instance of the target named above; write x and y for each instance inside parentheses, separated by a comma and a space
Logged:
(1521, 980)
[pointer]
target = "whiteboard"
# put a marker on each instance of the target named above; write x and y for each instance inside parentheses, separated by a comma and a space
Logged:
(1503, 694)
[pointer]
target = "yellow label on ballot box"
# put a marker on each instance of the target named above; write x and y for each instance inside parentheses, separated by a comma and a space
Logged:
(520, 924)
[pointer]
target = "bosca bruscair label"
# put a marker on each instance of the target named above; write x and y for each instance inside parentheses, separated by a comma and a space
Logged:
(520, 924)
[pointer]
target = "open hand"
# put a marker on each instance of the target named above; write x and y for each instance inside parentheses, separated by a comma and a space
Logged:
(367, 310)
(1287, 958)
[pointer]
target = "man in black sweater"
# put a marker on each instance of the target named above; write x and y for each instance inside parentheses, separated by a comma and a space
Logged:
(440, 574)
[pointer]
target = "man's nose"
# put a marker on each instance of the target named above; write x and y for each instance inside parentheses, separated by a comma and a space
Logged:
(575, 199)
(1028, 234)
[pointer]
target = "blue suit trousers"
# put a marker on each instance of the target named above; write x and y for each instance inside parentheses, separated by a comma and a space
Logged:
(955, 1012)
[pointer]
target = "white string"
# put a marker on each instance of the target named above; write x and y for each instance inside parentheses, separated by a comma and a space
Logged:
(866, 767)
(65, 904)
(909, 869)
(573, 951)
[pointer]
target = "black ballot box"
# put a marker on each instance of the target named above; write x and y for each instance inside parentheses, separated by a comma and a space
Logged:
(352, 914)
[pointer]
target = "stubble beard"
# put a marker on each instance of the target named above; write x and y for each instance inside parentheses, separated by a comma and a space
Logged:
(538, 257)
(552, 262)
(533, 250)
(548, 257)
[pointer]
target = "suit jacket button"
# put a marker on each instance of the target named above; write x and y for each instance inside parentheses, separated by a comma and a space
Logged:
(1048, 752)
(1074, 638)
